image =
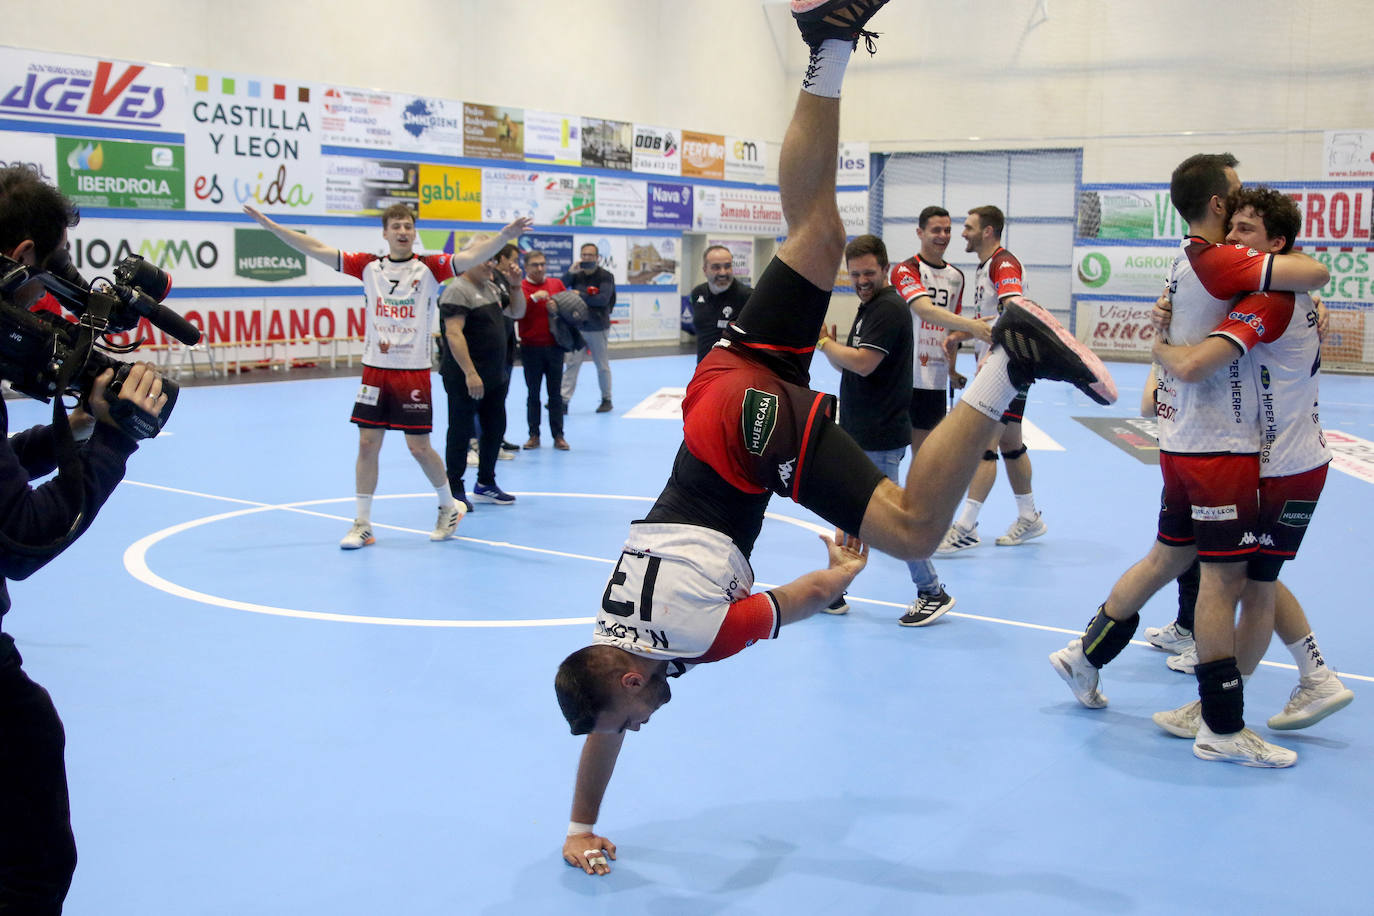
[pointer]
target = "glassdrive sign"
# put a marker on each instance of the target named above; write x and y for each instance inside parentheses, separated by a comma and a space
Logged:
(116, 173)
(260, 255)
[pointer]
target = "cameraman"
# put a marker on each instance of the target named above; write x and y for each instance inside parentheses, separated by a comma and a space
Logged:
(37, 849)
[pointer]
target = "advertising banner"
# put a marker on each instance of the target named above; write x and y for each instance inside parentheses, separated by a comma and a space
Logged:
(654, 316)
(745, 159)
(853, 211)
(1352, 273)
(367, 187)
(565, 200)
(607, 144)
(852, 168)
(552, 138)
(621, 330)
(492, 132)
(1122, 270)
(450, 193)
(656, 150)
(703, 155)
(116, 173)
(1348, 154)
(1119, 327)
(652, 260)
(93, 92)
(252, 141)
(260, 255)
(508, 194)
(557, 249)
(739, 210)
(621, 203)
(373, 119)
(36, 152)
(611, 250)
(670, 206)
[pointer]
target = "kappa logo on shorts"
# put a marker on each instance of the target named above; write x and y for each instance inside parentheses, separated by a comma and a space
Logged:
(758, 417)
(1215, 513)
(785, 471)
(1297, 512)
(368, 394)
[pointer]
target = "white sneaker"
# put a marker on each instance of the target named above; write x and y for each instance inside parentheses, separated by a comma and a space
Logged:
(1183, 721)
(473, 458)
(1022, 530)
(1244, 747)
(360, 535)
(447, 522)
(1185, 661)
(1315, 698)
(1170, 638)
(1073, 666)
(958, 538)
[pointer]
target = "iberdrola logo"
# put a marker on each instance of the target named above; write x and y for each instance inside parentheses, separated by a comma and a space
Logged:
(90, 157)
(1094, 270)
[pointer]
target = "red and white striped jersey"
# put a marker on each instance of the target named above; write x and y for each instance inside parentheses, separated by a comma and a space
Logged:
(681, 593)
(1286, 373)
(944, 285)
(997, 278)
(1218, 414)
(402, 310)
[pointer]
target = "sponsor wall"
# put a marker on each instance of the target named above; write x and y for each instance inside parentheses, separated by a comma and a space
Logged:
(162, 160)
(1128, 235)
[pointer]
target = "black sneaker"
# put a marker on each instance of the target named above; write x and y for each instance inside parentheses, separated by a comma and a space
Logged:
(604, 406)
(1041, 347)
(838, 606)
(926, 609)
(842, 19)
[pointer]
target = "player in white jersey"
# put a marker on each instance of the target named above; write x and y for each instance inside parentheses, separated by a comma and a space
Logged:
(999, 278)
(752, 428)
(401, 292)
(1293, 459)
(1211, 472)
(934, 289)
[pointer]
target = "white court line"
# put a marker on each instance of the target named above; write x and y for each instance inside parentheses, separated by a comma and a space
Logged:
(135, 560)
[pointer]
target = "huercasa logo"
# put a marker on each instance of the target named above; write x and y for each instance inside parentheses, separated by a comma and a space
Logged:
(757, 419)
(1297, 513)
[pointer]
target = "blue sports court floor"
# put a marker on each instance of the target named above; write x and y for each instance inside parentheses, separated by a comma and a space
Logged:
(261, 723)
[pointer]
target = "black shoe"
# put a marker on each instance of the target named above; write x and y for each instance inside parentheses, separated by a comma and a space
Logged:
(843, 19)
(926, 609)
(838, 606)
(604, 406)
(1040, 347)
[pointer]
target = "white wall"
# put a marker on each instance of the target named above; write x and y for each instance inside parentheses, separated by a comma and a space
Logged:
(1122, 78)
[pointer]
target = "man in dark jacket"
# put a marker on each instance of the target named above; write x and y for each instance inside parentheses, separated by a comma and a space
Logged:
(718, 300)
(596, 286)
(37, 848)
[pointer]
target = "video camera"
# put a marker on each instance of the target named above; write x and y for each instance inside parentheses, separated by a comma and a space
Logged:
(44, 355)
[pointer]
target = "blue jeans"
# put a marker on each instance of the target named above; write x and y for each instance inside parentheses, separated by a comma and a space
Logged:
(922, 571)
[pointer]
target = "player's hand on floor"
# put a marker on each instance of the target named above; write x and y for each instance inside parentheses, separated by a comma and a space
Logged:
(588, 852)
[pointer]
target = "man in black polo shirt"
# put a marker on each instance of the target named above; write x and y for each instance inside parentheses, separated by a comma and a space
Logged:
(718, 301)
(474, 371)
(875, 393)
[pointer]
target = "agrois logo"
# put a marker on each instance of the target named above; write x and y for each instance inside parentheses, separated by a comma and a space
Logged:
(1094, 270)
(260, 255)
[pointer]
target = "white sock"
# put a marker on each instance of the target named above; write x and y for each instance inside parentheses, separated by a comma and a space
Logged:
(968, 517)
(1025, 505)
(991, 389)
(446, 500)
(1307, 655)
(825, 72)
(364, 511)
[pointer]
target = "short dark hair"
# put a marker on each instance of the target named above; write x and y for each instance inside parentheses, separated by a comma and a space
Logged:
(1277, 210)
(591, 245)
(508, 251)
(1197, 180)
(932, 211)
(32, 209)
(710, 248)
(866, 244)
(584, 684)
(397, 211)
(988, 215)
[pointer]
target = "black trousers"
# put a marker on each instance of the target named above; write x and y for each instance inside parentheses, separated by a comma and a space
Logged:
(37, 848)
(490, 410)
(543, 363)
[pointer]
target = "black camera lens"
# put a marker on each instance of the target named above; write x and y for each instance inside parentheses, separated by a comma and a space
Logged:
(135, 271)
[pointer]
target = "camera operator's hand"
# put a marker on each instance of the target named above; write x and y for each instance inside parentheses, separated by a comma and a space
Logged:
(81, 422)
(142, 391)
